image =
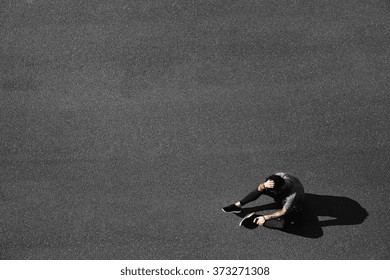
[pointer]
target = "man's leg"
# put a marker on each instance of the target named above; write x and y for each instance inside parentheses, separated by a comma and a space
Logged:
(282, 222)
(252, 196)
(278, 223)
(236, 208)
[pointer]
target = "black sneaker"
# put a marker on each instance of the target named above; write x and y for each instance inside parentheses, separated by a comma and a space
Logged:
(231, 209)
(249, 220)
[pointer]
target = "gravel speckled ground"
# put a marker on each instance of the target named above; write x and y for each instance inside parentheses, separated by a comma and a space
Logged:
(127, 125)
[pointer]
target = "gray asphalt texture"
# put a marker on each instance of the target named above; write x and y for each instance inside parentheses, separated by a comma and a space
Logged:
(127, 125)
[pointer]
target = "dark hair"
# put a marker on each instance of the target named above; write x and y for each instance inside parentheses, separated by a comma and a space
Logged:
(279, 181)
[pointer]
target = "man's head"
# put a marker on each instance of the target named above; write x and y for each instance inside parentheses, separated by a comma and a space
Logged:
(279, 181)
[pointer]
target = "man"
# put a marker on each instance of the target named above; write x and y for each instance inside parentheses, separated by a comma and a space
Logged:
(288, 193)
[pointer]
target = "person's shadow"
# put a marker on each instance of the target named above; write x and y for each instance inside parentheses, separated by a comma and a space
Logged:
(333, 210)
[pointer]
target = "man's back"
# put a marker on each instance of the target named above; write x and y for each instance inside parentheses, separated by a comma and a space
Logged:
(291, 194)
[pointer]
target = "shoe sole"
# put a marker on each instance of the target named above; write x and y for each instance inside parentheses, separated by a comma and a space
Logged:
(247, 217)
(235, 212)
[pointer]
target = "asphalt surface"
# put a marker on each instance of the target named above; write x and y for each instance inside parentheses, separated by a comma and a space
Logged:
(127, 125)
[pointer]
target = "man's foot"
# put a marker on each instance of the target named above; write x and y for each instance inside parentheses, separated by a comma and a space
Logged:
(249, 220)
(231, 209)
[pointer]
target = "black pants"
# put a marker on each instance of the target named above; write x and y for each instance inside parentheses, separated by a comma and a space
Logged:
(278, 223)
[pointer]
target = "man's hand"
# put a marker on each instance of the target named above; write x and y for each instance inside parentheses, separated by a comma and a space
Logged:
(269, 184)
(266, 185)
(259, 220)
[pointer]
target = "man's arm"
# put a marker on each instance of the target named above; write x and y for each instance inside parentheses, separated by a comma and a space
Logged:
(275, 215)
(262, 219)
(289, 202)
